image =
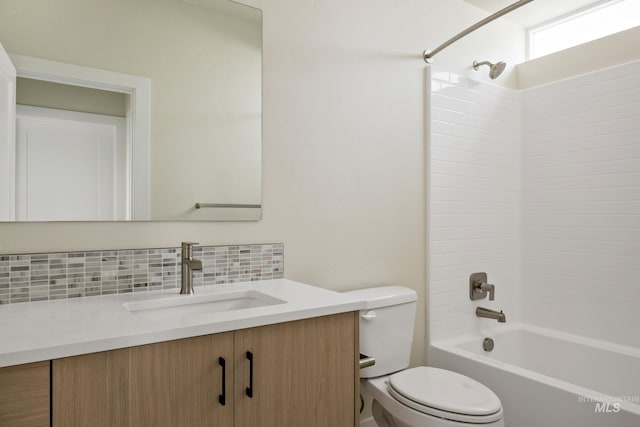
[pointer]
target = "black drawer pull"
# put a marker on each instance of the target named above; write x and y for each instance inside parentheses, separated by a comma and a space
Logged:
(223, 397)
(249, 390)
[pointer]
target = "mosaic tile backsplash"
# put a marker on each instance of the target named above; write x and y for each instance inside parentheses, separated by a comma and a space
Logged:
(47, 276)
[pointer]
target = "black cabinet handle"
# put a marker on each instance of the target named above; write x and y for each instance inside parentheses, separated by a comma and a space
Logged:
(222, 398)
(249, 390)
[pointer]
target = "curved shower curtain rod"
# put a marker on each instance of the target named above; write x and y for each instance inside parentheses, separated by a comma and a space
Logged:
(428, 54)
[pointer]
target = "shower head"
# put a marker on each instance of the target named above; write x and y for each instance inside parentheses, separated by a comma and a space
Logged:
(494, 69)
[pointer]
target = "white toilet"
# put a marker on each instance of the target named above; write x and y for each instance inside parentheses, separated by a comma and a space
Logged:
(416, 397)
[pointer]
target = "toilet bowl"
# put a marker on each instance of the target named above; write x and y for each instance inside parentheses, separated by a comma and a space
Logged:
(432, 397)
(421, 396)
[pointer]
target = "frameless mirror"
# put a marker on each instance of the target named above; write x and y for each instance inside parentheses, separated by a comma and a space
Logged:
(133, 110)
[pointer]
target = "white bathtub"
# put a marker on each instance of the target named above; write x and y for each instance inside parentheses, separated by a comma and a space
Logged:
(549, 379)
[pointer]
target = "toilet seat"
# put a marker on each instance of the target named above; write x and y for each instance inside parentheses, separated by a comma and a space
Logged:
(445, 394)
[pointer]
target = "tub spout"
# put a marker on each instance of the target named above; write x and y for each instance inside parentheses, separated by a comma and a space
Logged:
(491, 314)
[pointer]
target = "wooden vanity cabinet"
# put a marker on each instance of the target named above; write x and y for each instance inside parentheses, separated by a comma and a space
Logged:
(300, 373)
(303, 373)
(91, 389)
(179, 383)
(24, 395)
(167, 384)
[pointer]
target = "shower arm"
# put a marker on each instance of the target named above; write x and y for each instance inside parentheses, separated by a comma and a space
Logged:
(428, 54)
(477, 64)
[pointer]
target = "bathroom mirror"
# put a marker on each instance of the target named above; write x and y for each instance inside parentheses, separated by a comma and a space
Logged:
(202, 62)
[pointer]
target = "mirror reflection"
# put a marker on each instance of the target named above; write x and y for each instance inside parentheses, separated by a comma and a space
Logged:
(75, 154)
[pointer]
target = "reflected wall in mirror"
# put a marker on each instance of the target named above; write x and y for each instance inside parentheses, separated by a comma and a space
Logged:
(203, 61)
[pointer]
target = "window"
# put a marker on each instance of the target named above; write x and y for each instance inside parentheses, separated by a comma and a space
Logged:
(592, 22)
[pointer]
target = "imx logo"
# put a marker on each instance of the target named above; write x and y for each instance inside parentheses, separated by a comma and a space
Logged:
(607, 408)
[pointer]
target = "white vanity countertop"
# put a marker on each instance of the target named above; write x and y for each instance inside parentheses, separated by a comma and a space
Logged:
(44, 330)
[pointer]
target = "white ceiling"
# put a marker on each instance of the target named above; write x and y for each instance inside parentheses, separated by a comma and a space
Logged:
(536, 12)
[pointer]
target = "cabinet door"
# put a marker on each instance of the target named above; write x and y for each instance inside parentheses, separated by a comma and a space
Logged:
(91, 390)
(179, 383)
(24, 395)
(303, 373)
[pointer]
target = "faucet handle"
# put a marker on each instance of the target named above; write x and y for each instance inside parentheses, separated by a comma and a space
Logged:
(478, 287)
(195, 264)
(490, 288)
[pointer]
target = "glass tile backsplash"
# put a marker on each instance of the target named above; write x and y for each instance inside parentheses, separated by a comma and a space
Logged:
(46, 276)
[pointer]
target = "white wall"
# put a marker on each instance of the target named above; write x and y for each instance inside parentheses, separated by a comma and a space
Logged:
(475, 201)
(582, 204)
(344, 145)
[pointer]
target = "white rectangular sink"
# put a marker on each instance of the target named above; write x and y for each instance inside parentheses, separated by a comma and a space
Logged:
(190, 307)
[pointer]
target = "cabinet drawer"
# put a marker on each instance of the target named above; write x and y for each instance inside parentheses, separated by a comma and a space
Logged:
(24, 395)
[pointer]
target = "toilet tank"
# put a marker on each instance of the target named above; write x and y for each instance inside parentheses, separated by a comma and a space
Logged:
(386, 328)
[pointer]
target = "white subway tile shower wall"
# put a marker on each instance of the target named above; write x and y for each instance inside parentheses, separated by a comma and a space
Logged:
(582, 205)
(475, 201)
(35, 277)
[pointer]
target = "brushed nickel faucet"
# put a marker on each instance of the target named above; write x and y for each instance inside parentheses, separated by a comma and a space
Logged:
(188, 266)
(491, 314)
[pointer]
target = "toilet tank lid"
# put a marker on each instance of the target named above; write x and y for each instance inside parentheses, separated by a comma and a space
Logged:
(384, 296)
